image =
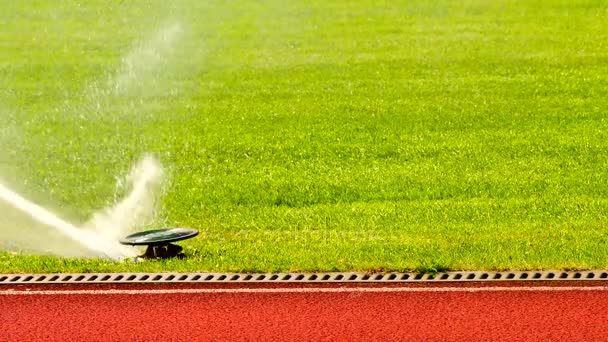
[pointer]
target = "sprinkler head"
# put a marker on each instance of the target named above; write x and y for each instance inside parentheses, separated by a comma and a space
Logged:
(158, 242)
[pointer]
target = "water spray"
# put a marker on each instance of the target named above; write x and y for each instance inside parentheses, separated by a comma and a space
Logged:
(85, 238)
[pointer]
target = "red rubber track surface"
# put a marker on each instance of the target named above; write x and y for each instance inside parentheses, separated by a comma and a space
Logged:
(516, 312)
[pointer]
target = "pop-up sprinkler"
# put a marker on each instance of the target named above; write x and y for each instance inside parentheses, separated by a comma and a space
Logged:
(159, 241)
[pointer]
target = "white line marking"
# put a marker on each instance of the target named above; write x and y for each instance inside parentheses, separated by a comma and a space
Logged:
(308, 290)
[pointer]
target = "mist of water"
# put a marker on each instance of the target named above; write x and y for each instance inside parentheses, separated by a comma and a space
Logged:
(134, 210)
(46, 217)
(144, 61)
(100, 235)
(25, 225)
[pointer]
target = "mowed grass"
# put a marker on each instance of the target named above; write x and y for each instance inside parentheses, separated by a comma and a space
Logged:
(319, 135)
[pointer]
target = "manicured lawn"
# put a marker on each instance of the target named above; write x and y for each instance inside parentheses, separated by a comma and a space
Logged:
(317, 135)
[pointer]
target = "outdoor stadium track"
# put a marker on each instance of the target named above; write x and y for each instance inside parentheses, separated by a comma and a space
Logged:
(514, 311)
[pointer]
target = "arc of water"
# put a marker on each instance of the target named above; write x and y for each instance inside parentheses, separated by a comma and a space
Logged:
(46, 217)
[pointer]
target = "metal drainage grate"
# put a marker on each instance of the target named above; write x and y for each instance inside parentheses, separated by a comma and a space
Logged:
(333, 277)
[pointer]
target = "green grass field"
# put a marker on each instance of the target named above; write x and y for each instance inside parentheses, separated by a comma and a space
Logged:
(319, 135)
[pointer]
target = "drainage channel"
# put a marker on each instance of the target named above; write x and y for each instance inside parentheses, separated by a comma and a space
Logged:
(332, 277)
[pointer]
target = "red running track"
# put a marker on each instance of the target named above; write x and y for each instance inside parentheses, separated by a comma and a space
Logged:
(284, 312)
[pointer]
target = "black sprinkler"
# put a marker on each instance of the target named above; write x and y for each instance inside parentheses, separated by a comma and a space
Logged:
(159, 241)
